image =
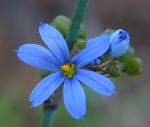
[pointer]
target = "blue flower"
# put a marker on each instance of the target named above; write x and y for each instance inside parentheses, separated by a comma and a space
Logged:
(66, 70)
(119, 43)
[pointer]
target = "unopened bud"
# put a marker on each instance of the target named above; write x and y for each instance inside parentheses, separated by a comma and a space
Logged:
(119, 43)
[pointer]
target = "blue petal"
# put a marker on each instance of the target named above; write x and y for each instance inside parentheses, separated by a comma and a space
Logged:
(97, 82)
(119, 50)
(55, 41)
(96, 47)
(74, 98)
(38, 57)
(45, 88)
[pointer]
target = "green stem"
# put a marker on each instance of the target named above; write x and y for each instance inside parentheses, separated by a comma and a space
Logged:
(47, 120)
(76, 22)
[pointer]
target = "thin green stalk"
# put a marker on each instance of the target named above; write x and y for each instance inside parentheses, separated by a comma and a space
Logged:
(47, 119)
(76, 22)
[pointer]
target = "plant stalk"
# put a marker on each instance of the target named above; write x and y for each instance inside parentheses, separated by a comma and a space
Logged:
(76, 22)
(47, 118)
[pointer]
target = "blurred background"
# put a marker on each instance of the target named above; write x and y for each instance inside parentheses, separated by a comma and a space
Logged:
(19, 20)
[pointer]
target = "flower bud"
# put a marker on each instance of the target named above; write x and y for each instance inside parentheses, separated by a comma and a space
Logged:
(62, 24)
(81, 43)
(119, 43)
(115, 70)
(133, 66)
(82, 32)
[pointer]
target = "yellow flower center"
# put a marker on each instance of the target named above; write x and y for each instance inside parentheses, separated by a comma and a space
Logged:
(68, 70)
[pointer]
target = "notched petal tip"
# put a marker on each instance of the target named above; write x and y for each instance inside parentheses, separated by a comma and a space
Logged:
(41, 24)
(79, 117)
(30, 99)
(113, 92)
(34, 105)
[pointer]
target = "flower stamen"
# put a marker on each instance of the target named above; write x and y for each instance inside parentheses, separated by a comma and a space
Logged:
(68, 70)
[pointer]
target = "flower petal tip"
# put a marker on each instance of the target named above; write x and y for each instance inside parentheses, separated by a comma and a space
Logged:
(34, 104)
(30, 99)
(112, 93)
(42, 24)
(79, 117)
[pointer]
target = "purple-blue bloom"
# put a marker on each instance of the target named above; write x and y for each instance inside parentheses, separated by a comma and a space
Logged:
(119, 43)
(66, 70)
